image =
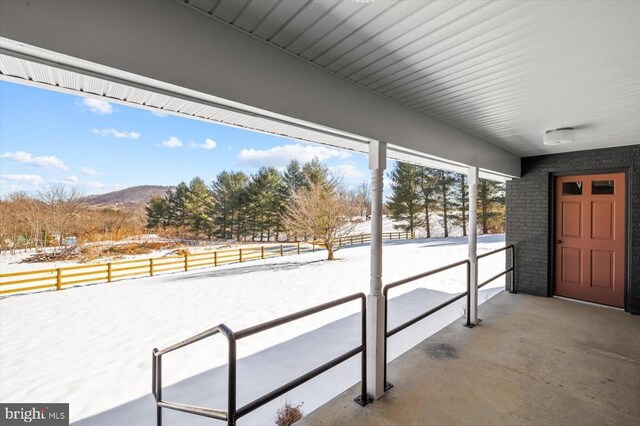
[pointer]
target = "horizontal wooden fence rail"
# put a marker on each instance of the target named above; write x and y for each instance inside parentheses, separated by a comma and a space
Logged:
(65, 277)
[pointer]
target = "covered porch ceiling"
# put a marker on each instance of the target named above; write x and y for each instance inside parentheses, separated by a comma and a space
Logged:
(503, 71)
(446, 84)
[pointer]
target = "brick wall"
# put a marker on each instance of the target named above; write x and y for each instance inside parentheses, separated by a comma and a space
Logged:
(528, 215)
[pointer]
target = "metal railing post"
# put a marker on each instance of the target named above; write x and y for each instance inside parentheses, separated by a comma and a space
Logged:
(186, 262)
(159, 390)
(215, 258)
(240, 255)
(232, 384)
(513, 271)
(109, 272)
(281, 249)
(468, 310)
(298, 247)
(262, 252)
(363, 399)
(151, 267)
(387, 385)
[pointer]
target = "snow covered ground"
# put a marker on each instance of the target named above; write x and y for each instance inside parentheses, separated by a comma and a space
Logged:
(91, 346)
(12, 262)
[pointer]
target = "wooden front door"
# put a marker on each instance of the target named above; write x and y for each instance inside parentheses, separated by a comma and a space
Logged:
(590, 238)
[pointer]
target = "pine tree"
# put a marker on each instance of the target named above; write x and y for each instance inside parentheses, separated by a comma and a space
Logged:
(460, 202)
(230, 199)
(491, 199)
(177, 198)
(198, 206)
(267, 196)
(445, 183)
(316, 173)
(295, 178)
(428, 185)
(157, 213)
(405, 203)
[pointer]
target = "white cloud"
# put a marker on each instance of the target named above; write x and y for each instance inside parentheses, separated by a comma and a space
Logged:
(172, 142)
(159, 113)
(118, 134)
(73, 179)
(24, 157)
(89, 171)
(31, 179)
(279, 156)
(346, 171)
(95, 184)
(97, 106)
(208, 144)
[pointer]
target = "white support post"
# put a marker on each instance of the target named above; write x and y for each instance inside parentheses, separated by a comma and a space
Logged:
(375, 299)
(472, 175)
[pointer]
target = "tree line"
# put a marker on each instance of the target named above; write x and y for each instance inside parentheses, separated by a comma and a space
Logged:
(59, 211)
(304, 200)
(422, 196)
(247, 207)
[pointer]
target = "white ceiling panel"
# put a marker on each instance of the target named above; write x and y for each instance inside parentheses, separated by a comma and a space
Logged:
(504, 71)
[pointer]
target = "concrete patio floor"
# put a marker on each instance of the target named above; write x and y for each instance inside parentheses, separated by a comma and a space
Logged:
(532, 361)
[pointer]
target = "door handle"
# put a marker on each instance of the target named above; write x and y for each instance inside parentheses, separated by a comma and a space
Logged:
(559, 241)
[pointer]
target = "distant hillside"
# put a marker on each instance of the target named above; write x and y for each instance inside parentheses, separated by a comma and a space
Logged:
(133, 197)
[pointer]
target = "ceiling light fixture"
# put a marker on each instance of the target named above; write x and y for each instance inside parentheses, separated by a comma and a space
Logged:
(559, 136)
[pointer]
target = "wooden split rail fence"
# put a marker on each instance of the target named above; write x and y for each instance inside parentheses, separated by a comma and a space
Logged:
(65, 277)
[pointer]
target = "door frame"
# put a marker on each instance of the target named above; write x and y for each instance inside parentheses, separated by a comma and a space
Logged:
(552, 225)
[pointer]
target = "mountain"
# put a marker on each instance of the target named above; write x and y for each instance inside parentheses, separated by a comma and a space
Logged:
(128, 198)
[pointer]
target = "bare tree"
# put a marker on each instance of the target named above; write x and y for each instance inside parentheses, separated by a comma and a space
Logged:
(10, 223)
(320, 211)
(363, 192)
(64, 203)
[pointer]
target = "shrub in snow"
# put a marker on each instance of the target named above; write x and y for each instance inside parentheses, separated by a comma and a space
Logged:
(288, 414)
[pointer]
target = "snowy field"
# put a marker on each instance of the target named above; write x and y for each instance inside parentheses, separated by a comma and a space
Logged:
(91, 346)
(13, 262)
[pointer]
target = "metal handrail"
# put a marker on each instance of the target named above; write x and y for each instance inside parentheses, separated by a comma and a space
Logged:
(512, 269)
(422, 316)
(467, 293)
(232, 414)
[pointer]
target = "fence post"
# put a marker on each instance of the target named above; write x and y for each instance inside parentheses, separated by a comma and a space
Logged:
(281, 249)
(240, 255)
(186, 262)
(362, 238)
(215, 258)
(151, 267)
(59, 279)
(109, 272)
(298, 247)
(262, 252)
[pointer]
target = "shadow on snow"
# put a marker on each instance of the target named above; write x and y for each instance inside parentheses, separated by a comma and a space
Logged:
(268, 369)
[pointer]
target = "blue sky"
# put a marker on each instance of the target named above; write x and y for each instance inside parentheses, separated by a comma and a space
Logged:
(50, 137)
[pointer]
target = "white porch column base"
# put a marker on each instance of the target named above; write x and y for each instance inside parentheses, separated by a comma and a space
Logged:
(375, 299)
(375, 345)
(472, 175)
